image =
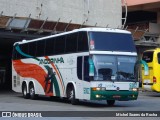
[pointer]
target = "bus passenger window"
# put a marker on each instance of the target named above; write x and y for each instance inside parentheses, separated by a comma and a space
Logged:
(50, 46)
(71, 43)
(24, 48)
(32, 46)
(60, 45)
(82, 42)
(40, 48)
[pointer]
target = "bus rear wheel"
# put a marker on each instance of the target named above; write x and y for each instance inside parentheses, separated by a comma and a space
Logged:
(33, 96)
(71, 96)
(110, 102)
(24, 91)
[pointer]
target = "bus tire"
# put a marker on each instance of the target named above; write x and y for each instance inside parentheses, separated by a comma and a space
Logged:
(71, 96)
(110, 102)
(32, 94)
(24, 91)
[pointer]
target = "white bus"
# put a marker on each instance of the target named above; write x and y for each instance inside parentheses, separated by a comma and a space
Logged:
(86, 64)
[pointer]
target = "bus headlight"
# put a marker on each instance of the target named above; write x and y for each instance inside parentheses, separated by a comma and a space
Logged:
(134, 89)
(98, 88)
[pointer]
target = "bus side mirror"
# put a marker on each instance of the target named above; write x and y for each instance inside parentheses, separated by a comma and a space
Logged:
(146, 69)
(91, 67)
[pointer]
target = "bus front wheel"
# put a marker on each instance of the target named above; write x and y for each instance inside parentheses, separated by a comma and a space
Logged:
(110, 102)
(71, 96)
(24, 91)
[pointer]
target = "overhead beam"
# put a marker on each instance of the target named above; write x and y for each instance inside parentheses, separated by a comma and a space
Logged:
(15, 36)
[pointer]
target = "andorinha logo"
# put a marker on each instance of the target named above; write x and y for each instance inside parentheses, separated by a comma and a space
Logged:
(51, 60)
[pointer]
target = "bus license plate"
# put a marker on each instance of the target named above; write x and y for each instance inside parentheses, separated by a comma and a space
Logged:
(116, 96)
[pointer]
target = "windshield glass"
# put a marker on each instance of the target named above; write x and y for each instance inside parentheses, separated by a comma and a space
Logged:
(108, 41)
(114, 68)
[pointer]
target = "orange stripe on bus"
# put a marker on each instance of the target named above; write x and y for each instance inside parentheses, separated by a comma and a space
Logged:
(32, 71)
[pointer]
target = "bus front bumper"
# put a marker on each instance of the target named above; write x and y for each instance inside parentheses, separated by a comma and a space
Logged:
(114, 95)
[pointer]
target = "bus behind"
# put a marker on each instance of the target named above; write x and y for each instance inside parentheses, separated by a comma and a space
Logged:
(151, 81)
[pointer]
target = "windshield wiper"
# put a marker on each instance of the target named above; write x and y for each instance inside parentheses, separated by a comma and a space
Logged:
(125, 75)
(104, 77)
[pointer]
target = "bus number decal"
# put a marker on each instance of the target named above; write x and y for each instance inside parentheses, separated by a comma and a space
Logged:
(86, 90)
(100, 85)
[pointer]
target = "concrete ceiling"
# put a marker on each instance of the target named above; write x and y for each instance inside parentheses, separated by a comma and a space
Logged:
(143, 5)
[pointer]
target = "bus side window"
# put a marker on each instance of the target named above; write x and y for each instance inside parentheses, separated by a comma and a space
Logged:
(40, 47)
(50, 46)
(32, 46)
(158, 56)
(60, 44)
(24, 48)
(82, 42)
(71, 43)
(79, 67)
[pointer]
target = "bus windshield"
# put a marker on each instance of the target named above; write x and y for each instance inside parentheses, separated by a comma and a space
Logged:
(114, 68)
(108, 41)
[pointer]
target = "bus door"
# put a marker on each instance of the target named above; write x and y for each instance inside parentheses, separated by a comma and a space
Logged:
(83, 76)
(86, 78)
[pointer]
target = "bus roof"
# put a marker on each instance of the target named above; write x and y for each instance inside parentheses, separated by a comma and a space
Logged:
(154, 49)
(103, 30)
(77, 30)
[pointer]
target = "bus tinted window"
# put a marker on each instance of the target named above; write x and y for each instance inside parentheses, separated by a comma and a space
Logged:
(50, 46)
(32, 46)
(82, 42)
(40, 47)
(107, 41)
(60, 45)
(148, 56)
(25, 49)
(71, 43)
(85, 70)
